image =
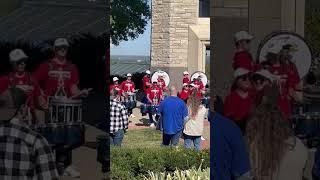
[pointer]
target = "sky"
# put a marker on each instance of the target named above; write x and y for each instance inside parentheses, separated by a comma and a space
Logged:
(138, 47)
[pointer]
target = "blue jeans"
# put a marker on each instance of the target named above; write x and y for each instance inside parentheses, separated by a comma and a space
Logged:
(103, 152)
(189, 140)
(116, 138)
(171, 139)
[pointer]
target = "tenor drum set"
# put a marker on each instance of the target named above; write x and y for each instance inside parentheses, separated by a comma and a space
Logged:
(130, 100)
(206, 97)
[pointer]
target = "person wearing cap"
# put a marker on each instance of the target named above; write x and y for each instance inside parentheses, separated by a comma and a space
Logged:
(200, 88)
(186, 78)
(162, 83)
(185, 93)
(239, 102)
(146, 81)
(261, 79)
(243, 58)
(115, 87)
(154, 96)
(21, 80)
(55, 75)
(128, 86)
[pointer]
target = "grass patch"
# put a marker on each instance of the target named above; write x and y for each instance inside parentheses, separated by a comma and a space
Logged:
(144, 138)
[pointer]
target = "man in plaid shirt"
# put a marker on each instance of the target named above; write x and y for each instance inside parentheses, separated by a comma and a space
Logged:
(118, 121)
(24, 154)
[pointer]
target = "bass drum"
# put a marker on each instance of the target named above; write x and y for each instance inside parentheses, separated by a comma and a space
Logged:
(158, 73)
(204, 78)
(274, 42)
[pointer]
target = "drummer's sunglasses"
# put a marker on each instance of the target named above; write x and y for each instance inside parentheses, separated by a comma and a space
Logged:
(245, 77)
(58, 48)
(21, 61)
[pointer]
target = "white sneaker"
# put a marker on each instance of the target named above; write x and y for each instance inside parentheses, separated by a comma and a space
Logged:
(202, 138)
(71, 171)
(132, 116)
(152, 125)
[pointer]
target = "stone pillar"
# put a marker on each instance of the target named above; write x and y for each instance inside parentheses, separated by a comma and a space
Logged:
(227, 18)
(169, 29)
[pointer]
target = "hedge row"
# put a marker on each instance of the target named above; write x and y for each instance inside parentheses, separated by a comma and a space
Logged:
(136, 163)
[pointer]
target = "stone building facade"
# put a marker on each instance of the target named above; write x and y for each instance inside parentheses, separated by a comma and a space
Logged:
(179, 37)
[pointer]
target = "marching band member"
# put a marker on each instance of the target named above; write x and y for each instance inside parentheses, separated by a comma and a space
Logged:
(185, 93)
(261, 79)
(22, 80)
(60, 74)
(199, 86)
(243, 58)
(239, 102)
(146, 81)
(162, 83)
(186, 78)
(154, 96)
(128, 86)
(115, 87)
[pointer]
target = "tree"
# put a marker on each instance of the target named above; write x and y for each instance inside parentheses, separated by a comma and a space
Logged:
(128, 19)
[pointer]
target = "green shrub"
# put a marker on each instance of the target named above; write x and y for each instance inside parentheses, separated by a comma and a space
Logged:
(139, 162)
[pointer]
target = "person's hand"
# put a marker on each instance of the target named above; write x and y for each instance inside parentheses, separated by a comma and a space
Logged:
(84, 92)
(43, 103)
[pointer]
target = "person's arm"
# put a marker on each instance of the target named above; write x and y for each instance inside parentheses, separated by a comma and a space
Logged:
(124, 117)
(185, 113)
(148, 97)
(45, 165)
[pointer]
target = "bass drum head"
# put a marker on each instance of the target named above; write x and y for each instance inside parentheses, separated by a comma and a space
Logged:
(301, 57)
(204, 78)
(165, 75)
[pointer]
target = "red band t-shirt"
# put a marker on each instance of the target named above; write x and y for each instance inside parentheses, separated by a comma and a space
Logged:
(127, 86)
(154, 93)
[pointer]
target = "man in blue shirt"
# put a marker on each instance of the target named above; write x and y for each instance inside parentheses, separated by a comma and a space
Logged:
(173, 113)
(229, 156)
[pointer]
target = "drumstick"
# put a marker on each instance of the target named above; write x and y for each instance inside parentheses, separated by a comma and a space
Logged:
(80, 93)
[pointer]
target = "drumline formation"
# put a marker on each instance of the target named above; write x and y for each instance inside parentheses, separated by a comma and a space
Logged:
(155, 89)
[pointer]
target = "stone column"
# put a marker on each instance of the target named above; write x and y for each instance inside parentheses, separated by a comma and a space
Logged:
(169, 44)
(227, 18)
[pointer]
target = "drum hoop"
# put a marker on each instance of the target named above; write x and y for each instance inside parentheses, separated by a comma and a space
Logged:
(276, 33)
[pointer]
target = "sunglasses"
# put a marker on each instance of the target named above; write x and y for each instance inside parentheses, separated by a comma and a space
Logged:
(22, 61)
(58, 48)
(244, 78)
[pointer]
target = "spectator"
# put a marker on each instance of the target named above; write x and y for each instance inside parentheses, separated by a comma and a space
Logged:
(228, 149)
(24, 153)
(274, 150)
(173, 113)
(118, 121)
(193, 128)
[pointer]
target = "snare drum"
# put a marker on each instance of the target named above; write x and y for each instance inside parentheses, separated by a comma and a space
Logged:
(144, 109)
(63, 123)
(153, 109)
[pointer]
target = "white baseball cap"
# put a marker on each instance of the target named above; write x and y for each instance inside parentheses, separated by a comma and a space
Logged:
(148, 72)
(266, 74)
(154, 81)
(240, 72)
(115, 79)
(129, 75)
(185, 84)
(242, 35)
(185, 73)
(16, 55)
(61, 42)
(193, 85)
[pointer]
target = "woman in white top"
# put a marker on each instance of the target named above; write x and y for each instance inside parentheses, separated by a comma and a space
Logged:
(193, 128)
(276, 154)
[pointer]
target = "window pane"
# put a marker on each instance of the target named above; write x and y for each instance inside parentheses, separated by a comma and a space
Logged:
(204, 8)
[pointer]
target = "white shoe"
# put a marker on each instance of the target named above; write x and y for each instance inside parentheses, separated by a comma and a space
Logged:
(152, 125)
(132, 116)
(202, 138)
(70, 171)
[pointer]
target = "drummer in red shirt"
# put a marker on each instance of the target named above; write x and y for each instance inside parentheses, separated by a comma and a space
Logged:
(58, 71)
(56, 75)
(22, 80)
(239, 102)
(199, 86)
(260, 80)
(154, 96)
(146, 81)
(162, 83)
(186, 78)
(242, 57)
(128, 86)
(115, 87)
(185, 93)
